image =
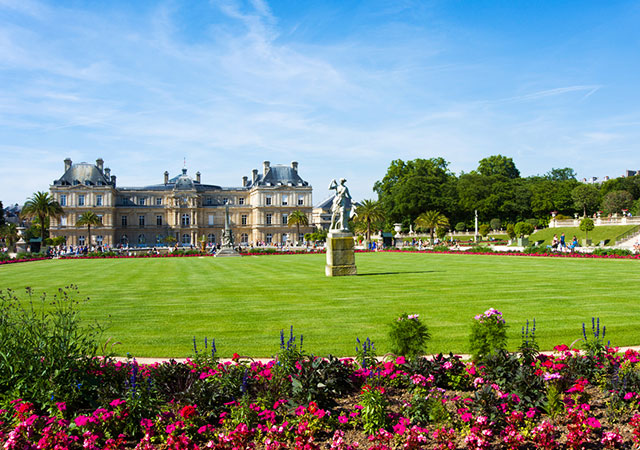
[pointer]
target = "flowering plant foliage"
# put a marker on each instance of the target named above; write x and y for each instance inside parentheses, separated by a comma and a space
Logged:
(488, 334)
(409, 336)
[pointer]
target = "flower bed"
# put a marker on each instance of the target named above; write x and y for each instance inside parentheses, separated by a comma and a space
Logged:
(566, 400)
(12, 261)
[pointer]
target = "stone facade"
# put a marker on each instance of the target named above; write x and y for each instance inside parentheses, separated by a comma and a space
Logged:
(181, 207)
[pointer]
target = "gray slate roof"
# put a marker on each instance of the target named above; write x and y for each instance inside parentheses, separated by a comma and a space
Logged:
(279, 175)
(83, 173)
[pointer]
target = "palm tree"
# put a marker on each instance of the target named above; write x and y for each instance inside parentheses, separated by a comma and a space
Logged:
(431, 220)
(9, 232)
(42, 205)
(298, 218)
(89, 218)
(369, 212)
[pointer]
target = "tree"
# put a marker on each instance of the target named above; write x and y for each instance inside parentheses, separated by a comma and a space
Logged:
(586, 225)
(495, 224)
(460, 227)
(42, 206)
(523, 229)
(561, 174)
(498, 165)
(298, 218)
(585, 197)
(484, 230)
(369, 212)
(1, 214)
(9, 232)
(412, 187)
(431, 220)
(616, 201)
(511, 231)
(89, 218)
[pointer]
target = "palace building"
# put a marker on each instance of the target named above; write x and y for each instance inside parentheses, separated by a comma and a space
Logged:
(180, 208)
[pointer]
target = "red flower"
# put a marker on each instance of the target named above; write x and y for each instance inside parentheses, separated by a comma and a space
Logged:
(188, 411)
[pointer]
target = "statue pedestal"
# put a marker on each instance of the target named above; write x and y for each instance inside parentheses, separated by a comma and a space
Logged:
(341, 260)
(226, 251)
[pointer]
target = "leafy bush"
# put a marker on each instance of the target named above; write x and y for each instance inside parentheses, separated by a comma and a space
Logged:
(484, 230)
(523, 229)
(511, 232)
(409, 336)
(47, 355)
(587, 225)
(481, 249)
(488, 334)
(460, 227)
(612, 252)
(495, 224)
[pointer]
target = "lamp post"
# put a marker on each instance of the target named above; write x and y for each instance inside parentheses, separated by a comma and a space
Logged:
(475, 236)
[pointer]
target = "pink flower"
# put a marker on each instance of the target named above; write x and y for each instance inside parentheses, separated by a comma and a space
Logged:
(629, 395)
(593, 422)
(62, 406)
(81, 421)
(117, 402)
(400, 360)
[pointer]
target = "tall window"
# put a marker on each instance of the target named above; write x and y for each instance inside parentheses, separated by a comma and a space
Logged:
(100, 218)
(244, 238)
(300, 200)
(98, 199)
(208, 201)
(241, 201)
(268, 218)
(158, 201)
(267, 200)
(124, 239)
(285, 219)
(243, 219)
(63, 221)
(211, 238)
(210, 219)
(141, 201)
(285, 238)
(285, 199)
(63, 199)
(81, 201)
(99, 239)
(269, 238)
(186, 239)
(124, 221)
(186, 220)
(159, 221)
(141, 221)
(81, 240)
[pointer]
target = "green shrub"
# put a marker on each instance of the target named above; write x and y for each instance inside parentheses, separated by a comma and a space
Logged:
(47, 355)
(488, 334)
(612, 252)
(409, 336)
(481, 249)
(460, 227)
(484, 230)
(511, 232)
(522, 229)
(495, 224)
(374, 408)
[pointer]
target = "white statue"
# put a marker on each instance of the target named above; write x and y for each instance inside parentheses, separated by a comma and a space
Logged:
(341, 206)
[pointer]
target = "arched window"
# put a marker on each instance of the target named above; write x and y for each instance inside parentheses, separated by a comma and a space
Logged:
(211, 238)
(186, 239)
(124, 239)
(185, 220)
(142, 239)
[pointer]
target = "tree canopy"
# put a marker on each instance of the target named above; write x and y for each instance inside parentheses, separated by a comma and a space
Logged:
(42, 206)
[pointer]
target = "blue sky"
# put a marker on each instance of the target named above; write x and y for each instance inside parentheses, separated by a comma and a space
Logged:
(341, 87)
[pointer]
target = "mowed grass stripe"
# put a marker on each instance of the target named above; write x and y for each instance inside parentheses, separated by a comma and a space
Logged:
(154, 307)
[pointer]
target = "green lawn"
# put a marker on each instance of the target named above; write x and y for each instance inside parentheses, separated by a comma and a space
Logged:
(154, 307)
(607, 233)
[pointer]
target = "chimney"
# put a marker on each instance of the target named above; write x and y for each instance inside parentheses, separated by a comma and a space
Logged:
(67, 164)
(294, 166)
(107, 172)
(113, 180)
(254, 176)
(265, 167)
(197, 177)
(166, 177)
(100, 164)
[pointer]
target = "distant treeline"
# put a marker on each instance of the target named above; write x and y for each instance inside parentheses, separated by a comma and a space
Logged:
(497, 191)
